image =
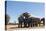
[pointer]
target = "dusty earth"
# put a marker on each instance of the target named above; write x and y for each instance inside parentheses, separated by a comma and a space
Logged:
(14, 27)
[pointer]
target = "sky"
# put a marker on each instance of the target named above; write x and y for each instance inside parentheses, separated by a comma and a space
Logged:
(16, 8)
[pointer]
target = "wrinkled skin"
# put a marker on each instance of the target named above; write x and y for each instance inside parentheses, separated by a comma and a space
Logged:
(29, 21)
(34, 21)
(21, 20)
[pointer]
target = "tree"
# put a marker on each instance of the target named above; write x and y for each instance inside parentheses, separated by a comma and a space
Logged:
(7, 18)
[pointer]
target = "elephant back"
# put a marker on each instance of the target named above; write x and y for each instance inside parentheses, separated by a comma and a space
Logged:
(21, 18)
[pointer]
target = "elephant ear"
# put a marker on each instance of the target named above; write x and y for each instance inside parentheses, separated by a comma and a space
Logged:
(20, 18)
(26, 15)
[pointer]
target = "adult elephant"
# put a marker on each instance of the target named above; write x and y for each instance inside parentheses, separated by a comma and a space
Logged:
(32, 21)
(21, 20)
(26, 16)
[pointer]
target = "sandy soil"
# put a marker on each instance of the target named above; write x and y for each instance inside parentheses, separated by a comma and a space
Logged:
(11, 26)
(14, 27)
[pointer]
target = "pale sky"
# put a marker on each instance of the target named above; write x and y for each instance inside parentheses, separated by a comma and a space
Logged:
(16, 8)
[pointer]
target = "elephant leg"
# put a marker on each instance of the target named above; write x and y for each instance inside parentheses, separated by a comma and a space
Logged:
(36, 24)
(31, 24)
(39, 24)
(28, 24)
(25, 24)
(19, 25)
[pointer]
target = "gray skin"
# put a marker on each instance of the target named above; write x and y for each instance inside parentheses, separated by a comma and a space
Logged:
(30, 21)
(33, 21)
(21, 20)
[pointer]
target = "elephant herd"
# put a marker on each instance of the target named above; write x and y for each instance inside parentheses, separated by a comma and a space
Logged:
(29, 22)
(26, 21)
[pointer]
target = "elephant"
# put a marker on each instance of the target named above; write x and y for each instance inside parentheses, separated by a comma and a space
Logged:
(21, 20)
(27, 20)
(43, 19)
(32, 21)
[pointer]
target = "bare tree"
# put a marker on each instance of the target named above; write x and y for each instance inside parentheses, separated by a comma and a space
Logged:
(7, 18)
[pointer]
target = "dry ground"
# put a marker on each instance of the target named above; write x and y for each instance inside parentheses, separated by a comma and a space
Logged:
(14, 27)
